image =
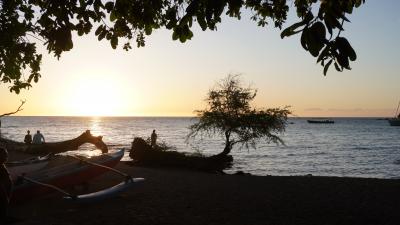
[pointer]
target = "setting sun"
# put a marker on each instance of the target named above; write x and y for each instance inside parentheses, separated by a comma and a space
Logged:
(95, 96)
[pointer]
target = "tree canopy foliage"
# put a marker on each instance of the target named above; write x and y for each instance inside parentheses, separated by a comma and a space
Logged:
(230, 114)
(53, 22)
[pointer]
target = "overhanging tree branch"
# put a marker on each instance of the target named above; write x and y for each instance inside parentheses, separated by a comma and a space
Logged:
(19, 109)
(56, 22)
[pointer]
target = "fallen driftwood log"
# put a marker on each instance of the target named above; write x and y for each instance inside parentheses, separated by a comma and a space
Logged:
(143, 154)
(55, 147)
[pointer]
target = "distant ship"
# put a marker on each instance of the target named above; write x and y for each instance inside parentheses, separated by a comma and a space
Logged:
(320, 121)
(395, 121)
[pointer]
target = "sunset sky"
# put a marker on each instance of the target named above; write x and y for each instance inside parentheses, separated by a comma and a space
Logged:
(168, 78)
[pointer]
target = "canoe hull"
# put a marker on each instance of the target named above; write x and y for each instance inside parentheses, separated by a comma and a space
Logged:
(16, 171)
(17, 168)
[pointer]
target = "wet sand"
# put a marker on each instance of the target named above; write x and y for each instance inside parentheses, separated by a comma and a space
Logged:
(172, 196)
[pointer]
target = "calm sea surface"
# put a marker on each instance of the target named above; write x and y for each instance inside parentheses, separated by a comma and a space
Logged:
(352, 147)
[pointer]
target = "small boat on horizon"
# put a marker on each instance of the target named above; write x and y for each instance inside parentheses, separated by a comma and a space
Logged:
(320, 121)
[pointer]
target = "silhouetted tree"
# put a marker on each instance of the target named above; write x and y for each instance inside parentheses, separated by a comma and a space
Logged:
(23, 22)
(229, 114)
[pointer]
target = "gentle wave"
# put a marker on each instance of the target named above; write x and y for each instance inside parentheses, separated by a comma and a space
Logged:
(361, 148)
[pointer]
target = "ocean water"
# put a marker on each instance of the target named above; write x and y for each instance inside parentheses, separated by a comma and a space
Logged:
(351, 147)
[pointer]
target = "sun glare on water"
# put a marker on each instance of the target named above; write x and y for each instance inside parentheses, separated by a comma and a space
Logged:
(95, 97)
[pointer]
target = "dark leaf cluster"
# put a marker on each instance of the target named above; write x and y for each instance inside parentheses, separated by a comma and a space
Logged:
(318, 34)
(52, 22)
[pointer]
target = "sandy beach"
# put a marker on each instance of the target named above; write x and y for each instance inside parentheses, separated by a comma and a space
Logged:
(172, 196)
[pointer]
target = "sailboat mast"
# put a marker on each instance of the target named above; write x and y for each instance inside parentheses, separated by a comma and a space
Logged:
(397, 110)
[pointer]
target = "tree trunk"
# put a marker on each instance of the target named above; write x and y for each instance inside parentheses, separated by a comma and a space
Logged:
(228, 144)
(227, 149)
(223, 159)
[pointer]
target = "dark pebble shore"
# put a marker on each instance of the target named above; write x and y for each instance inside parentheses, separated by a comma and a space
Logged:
(172, 196)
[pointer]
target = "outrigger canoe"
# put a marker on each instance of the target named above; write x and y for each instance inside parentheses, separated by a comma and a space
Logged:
(55, 147)
(67, 175)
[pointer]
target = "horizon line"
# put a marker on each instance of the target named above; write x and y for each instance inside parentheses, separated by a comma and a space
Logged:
(184, 116)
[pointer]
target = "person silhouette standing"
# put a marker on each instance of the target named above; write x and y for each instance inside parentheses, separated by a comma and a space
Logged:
(153, 139)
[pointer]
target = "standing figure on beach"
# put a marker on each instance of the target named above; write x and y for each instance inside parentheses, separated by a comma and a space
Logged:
(5, 185)
(28, 137)
(38, 138)
(153, 139)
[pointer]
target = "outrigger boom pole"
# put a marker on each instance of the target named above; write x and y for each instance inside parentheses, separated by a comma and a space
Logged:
(49, 186)
(127, 176)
